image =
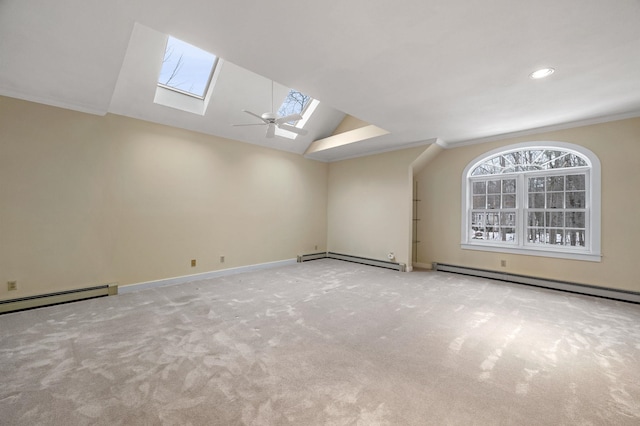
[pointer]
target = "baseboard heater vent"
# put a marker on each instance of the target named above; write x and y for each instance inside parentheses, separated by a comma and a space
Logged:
(626, 296)
(355, 259)
(313, 256)
(39, 301)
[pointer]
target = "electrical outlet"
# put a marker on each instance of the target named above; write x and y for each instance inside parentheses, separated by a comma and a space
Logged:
(503, 263)
(316, 247)
(193, 263)
(221, 259)
(12, 285)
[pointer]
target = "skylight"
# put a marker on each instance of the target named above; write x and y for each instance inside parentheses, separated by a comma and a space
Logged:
(186, 69)
(295, 103)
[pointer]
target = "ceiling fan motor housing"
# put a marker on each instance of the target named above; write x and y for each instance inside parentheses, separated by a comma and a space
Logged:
(269, 117)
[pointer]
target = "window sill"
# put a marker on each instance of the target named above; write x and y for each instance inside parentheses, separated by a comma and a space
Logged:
(543, 252)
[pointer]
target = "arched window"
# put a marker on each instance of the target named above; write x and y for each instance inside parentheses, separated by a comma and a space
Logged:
(537, 198)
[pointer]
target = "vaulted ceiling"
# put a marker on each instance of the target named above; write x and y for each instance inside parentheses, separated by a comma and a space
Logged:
(424, 70)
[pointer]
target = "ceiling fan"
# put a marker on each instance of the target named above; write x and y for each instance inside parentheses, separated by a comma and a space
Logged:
(272, 120)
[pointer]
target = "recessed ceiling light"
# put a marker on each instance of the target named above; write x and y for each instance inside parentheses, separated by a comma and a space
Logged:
(541, 73)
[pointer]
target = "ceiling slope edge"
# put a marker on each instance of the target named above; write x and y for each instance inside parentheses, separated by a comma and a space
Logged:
(53, 102)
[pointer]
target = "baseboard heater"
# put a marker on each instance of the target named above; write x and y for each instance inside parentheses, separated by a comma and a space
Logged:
(49, 299)
(626, 296)
(355, 259)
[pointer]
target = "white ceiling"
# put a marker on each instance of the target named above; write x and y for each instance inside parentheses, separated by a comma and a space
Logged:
(421, 69)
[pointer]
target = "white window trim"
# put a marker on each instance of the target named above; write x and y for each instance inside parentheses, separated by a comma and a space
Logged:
(591, 253)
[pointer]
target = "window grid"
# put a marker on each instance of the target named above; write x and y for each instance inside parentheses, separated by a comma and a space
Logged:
(556, 210)
(528, 160)
(494, 213)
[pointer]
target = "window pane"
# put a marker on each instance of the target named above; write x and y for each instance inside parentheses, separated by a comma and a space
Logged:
(479, 202)
(493, 187)
(479, 187)
(536, 235)
(509, 201)
(509, 186)
(575, 238)
(482, 170)
(575, 161)
(493, 201)
(493, 219)
(555, 200)
(478, 234)
(499, 162)
(555, 219)
(575, 182)
(575, 220)
(559, 160)
(536, 184)
(508, 219)
(531, 156)
(556, 236)
(186, 68)
(576, 200)
(536, 219)
(507, 234)
(555, 183)
(536, 201)
(477, 219)
(493, 234)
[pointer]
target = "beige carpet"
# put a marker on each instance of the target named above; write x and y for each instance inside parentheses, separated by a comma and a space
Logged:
(325, 342)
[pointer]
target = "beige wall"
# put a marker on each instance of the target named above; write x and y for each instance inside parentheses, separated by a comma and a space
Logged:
(88, 200)
(370, 205)
(617, 144)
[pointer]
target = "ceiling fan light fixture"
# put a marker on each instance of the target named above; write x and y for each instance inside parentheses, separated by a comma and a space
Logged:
(541, 73)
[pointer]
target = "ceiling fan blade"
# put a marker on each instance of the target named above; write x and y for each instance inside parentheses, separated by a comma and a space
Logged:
(254, 114)
(287, 118)
(293, 129)
(251, 124)
(271, 130)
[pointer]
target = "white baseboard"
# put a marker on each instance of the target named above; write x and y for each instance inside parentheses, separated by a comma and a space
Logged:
(203, 276)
